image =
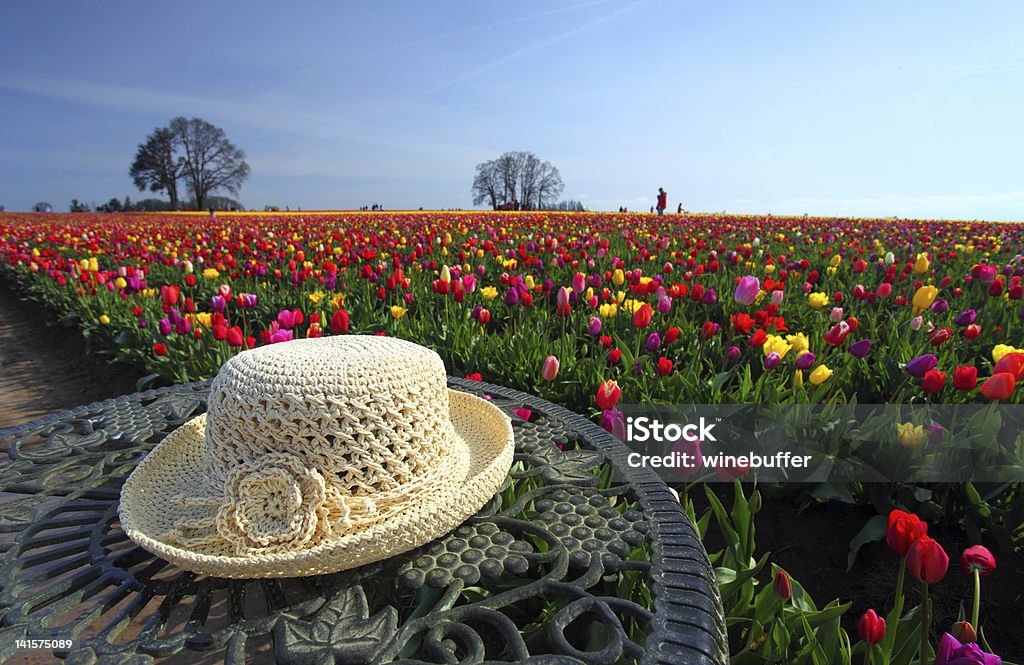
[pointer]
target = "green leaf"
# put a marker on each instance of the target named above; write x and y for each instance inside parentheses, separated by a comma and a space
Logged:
(872, 531)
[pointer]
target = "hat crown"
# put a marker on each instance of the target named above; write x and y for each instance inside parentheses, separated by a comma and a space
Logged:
(370, 414)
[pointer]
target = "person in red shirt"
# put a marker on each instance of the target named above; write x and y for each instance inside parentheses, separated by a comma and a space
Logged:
(662, 201)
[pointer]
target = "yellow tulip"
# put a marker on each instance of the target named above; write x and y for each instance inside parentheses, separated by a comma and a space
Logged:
(489, 293)
(104, 320)
(922, 264)
(820, 375)
(924, 297)
(529, 283)
(909, 435)
(799, 342)
(798, 379)
(1001, 350)
(398, 311)
(618, 277)
(817, 300)
(120, 283)
(777, 344)
(211, 273)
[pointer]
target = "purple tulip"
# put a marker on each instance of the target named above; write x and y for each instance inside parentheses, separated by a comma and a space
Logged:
(860, 348)
(182, 326)
(732, 353)
(594, 326)
(710, 297)
(952, 652)
(664, 305)
(218, 304)
(966, 318)
(249, 300)
(746, 290)
(512, 297)
(936, 432)
(164, 327)
(142, 323)
(772, 360)
(920, 365)
(653, 342)
(940, 306)
(805, 360)
(612, 421)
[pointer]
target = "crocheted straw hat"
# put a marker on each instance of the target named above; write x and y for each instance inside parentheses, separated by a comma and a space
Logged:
(315, 456)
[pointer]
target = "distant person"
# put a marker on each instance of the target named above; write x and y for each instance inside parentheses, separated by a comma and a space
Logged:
(679, 210)
(652, 209)
(662, 201)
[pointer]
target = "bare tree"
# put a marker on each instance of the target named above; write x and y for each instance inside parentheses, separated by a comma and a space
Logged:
(516, 180)
(211, 161)
(157, 166)
(487, 184)
(549, 185)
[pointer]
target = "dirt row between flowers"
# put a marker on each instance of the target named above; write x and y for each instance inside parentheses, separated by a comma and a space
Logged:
(45, 368)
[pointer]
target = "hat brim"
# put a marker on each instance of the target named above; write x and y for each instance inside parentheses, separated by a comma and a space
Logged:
(483, 434)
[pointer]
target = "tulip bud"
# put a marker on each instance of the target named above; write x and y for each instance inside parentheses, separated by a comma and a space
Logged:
(871, 627)
(550, 368)
(964, 631)
(781, 586)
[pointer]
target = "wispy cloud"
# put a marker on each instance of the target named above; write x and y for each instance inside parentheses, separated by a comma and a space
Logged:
(532, 48)
(374, 53)
(295, 117)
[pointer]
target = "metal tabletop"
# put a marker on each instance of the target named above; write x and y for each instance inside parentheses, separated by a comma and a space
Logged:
(579, 558)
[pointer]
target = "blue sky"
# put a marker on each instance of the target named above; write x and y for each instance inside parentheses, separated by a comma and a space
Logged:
(873, 108)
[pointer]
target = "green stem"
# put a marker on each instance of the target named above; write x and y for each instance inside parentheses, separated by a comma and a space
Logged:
(925, 620)
(900, 578)
(867, 654)
(977, 599)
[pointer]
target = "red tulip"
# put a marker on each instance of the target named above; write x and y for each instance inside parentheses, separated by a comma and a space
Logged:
(977, 557)
(642, 316)
(965, 377)
(169, 294)
(871, 627)
(608, 394)
(837, 333)
(933, 381)
(904, 529)
(939, 336)
(664, 366)
(484, 317)
(235, 336)
(972, 331)
(781, 585)
(671, 335)
(1012, 363)
(159, 349)
(339, 322)
(758, 338)
(927, 561)
(998, 386)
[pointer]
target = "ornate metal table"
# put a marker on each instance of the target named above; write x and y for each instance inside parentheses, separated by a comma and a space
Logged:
(578, 559)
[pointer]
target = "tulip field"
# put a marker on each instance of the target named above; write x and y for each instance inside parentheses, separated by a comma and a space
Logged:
(599, 310)
(703, 309)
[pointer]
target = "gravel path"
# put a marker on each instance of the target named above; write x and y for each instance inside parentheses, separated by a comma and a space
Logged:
(45, 369)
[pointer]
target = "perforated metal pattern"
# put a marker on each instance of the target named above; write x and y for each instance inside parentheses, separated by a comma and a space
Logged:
(567, 538)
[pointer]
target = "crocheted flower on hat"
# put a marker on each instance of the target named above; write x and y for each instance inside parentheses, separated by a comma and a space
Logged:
(276, 504)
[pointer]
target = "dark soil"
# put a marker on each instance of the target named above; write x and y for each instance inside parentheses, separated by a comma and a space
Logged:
(45, 368)
(812, 545)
